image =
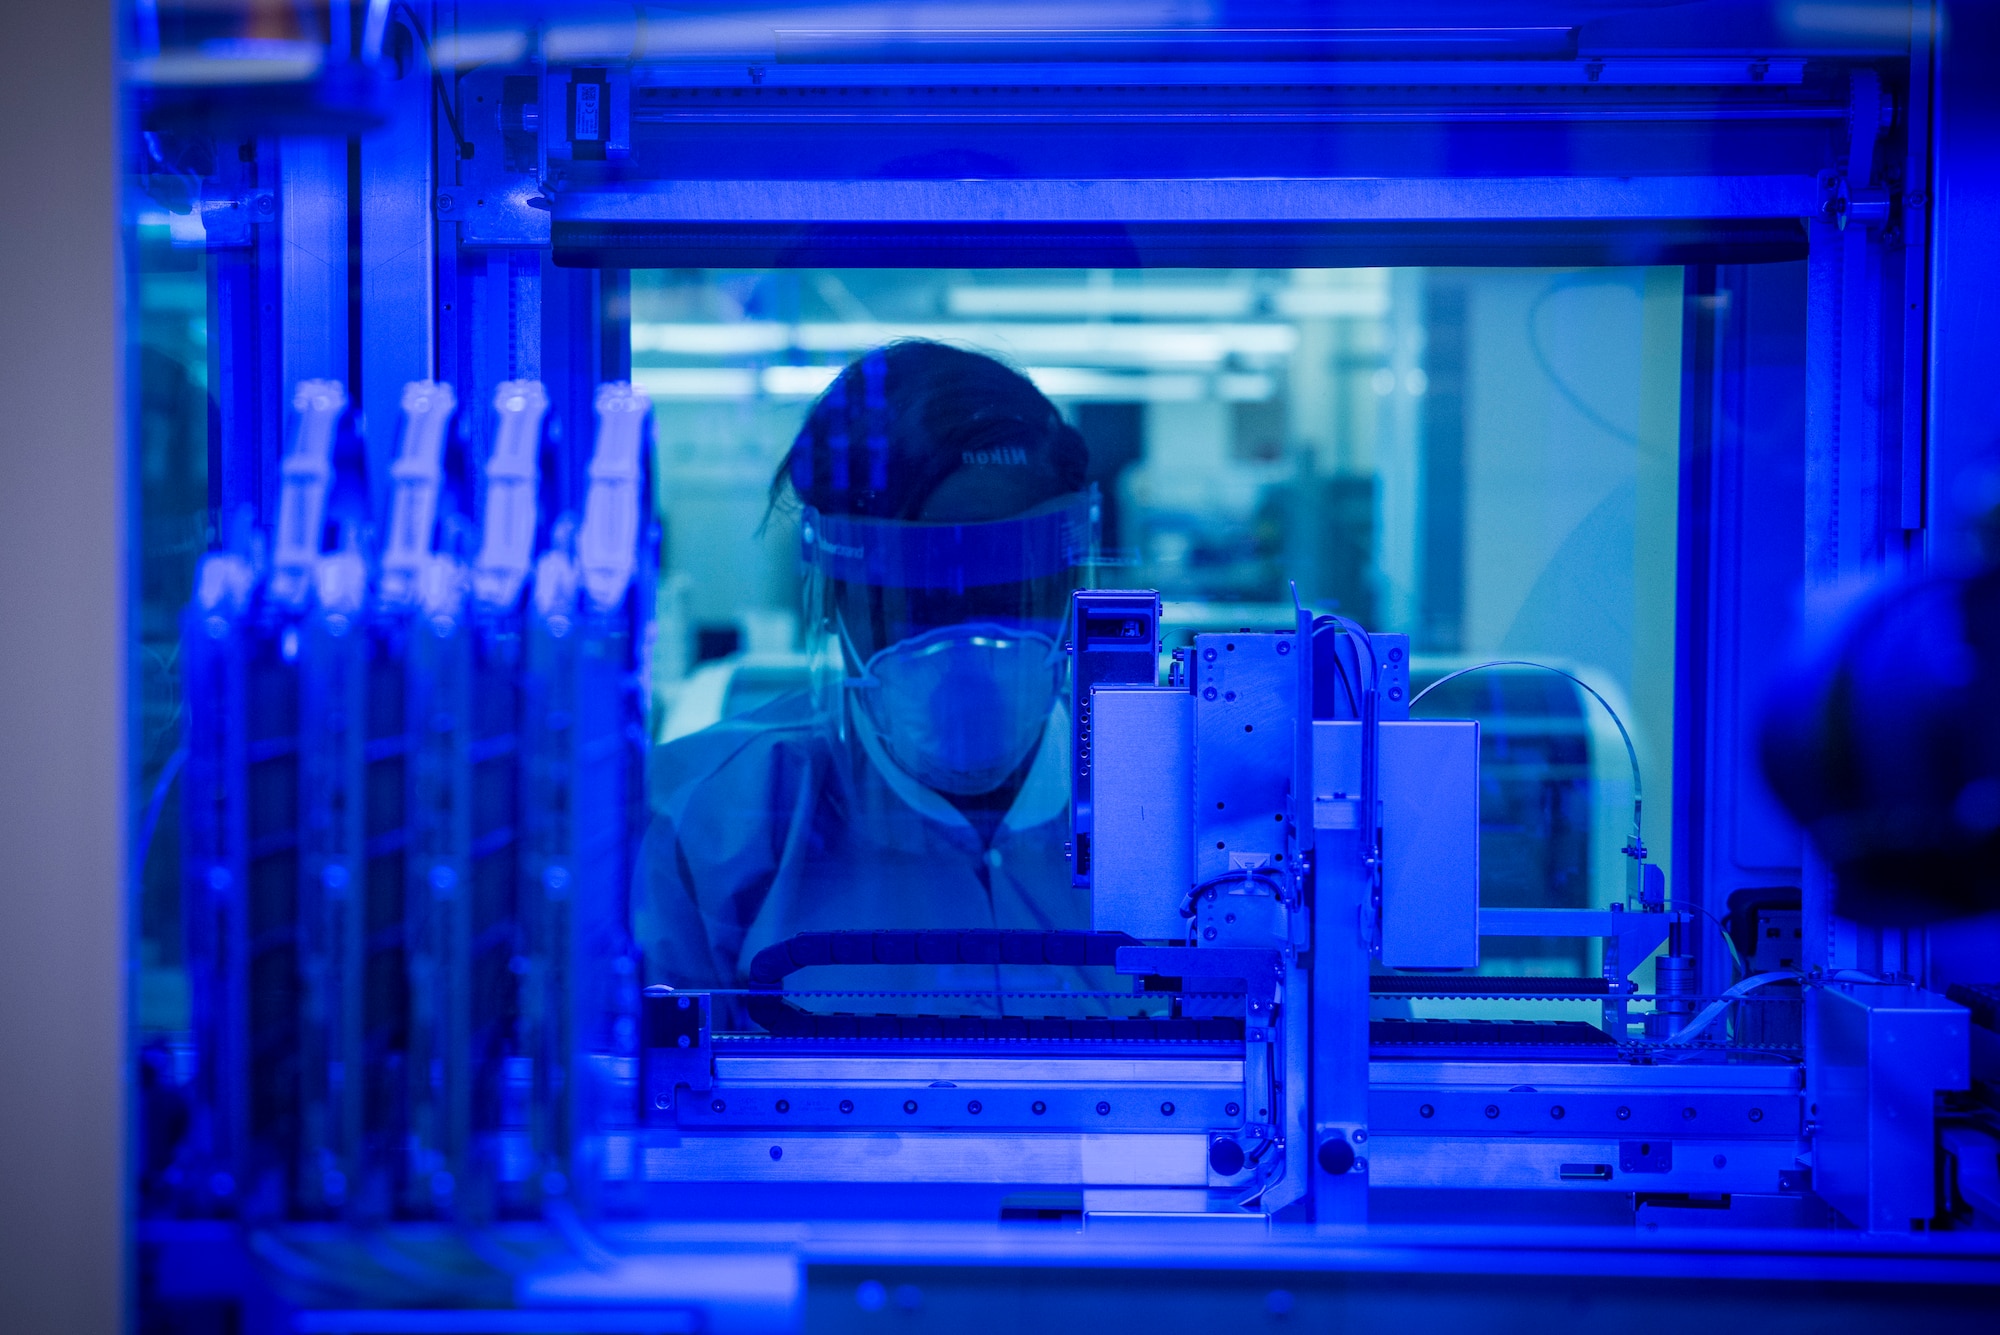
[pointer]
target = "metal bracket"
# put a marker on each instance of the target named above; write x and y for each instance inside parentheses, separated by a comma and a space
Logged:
(1340, 1149)
(1840, 203)
(678, 1048)
(1259, 969)
(227, 220)
(501, 213)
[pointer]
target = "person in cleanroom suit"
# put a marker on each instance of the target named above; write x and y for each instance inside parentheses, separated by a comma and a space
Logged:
(923, 781)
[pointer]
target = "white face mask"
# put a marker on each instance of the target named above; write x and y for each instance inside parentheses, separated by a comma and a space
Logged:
(959, 708)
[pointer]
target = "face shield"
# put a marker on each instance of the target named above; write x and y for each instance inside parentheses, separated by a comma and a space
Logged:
(946, 638)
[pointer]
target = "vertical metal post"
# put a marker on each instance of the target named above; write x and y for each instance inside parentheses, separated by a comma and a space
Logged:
(398, 301)
(245, 378)
(313, 264)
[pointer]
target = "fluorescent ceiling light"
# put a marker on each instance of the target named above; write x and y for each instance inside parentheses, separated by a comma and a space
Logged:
(497, 47)
(730, 383)
(1114, 344)
(241, 60)
(748, 338)
(1075, 382)
(695, 382)
(1213, 301)
(1333, 302)
(798, 381)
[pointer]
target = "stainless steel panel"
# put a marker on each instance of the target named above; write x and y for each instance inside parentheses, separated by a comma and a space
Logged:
(1026, 1160)
(1143, 845)
(1430, 832)
(964, 1109)
(1401, 1074)
(1879, 1053)
(1245, 700)
(1520, 1162)
(889, 1070)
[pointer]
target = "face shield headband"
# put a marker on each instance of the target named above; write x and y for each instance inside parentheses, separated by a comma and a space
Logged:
(884, 580)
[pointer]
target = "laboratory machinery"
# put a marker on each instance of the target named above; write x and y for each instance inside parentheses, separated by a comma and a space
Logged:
(487, 301)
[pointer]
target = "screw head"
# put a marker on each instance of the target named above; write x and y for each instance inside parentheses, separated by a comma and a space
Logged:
(1492, 1110)
(784, 1105)
(1230, 1110)
(445, 203)
(717, 1105)
(1556, 1111)
(909, 1105)
(1756, 1114)
(1624, 1114)
(1103, 1108)
(973, 1107)
(847, 1105)
(1167, 1109)
(1426, 1111)
(1039, 1108)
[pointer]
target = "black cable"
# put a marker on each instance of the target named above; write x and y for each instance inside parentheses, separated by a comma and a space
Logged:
(1340, 665)
(438, 89)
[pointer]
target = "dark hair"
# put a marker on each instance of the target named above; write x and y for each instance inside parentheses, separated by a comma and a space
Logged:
(894, 425)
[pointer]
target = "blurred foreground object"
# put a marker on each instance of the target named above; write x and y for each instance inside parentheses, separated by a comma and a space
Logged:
(1884, 741)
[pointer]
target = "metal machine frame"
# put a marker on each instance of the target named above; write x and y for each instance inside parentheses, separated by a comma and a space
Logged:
(1822, 195)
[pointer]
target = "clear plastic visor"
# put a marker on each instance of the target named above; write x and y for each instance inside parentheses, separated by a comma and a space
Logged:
(877, 582)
